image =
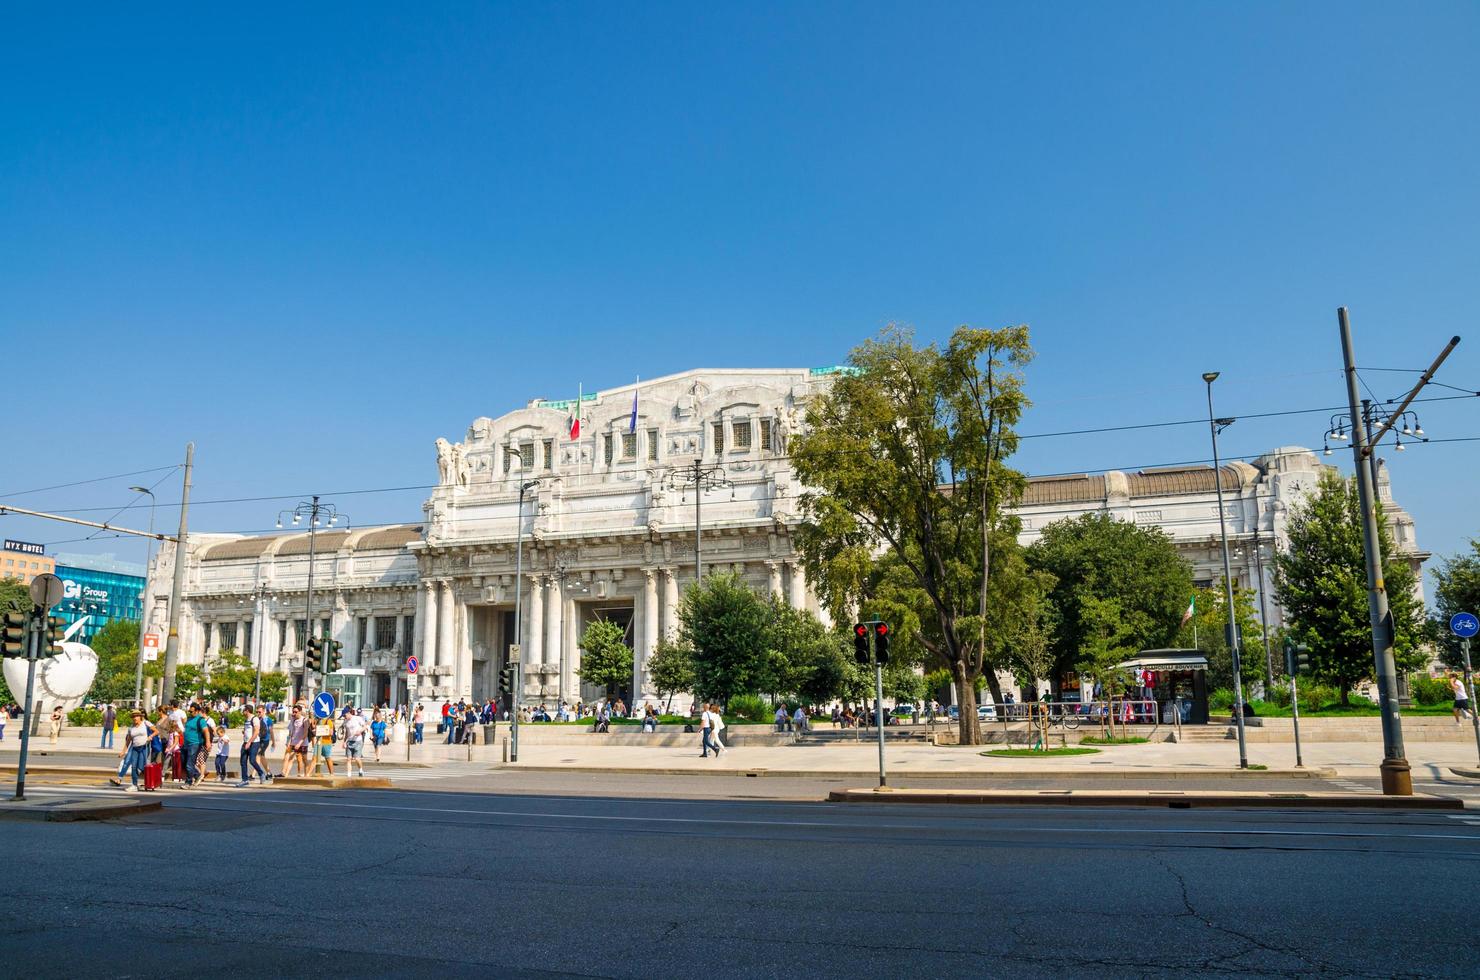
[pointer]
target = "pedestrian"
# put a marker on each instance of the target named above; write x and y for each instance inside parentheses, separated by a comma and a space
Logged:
(4, 717)
(418, 721)
(110, 721)
(251, 746)
(447, 720)
(719, 731)
(354, 743)
(264, 737)
(221, 752)
(197, 743)
(649, 718)
(295, 750)
(323, 746)
(135, 752)
(377, 732)
(706, 733)
(803, 726)
(56, 723)
(1461, 698)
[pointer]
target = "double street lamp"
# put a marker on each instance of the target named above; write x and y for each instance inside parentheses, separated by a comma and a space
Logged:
(517, 693)
(699, 478)
(318, 515)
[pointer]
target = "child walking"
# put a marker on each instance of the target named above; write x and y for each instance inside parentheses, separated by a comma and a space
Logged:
(223, 752)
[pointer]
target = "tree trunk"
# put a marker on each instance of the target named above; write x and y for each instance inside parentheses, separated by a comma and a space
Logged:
(969, 724)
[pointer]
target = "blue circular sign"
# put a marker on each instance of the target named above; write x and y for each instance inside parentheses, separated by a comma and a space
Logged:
(411, 665)
(323, 705)
(1464, 625)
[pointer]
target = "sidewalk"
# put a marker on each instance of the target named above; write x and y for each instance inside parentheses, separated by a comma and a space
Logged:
(1430, 760)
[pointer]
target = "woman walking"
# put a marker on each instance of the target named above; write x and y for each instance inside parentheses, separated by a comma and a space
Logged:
(136, 750)
(377, 732)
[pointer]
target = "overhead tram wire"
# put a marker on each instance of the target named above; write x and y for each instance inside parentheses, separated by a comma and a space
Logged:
(101, 479)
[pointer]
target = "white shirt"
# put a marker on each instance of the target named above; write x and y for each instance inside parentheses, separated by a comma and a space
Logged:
(1460, 694)
(354, 727)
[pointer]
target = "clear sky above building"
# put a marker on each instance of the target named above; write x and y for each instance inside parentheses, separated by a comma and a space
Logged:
(315, 238)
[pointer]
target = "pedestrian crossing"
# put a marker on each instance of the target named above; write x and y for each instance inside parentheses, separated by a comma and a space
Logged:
(1351, 786)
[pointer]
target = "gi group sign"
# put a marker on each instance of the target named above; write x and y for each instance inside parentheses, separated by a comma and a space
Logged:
(79, 590)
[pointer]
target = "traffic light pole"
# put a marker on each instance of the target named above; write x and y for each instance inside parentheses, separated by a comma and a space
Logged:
(1295, 717)
(879, 717)
(33, 653)
(313, 526)
(1464, 646)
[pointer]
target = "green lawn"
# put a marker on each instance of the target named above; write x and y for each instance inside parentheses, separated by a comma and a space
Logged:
(1038, 753)
(1114, 740)
(1335, 709)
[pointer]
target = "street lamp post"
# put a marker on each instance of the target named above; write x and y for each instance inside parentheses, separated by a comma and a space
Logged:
(144, 600)
(699, 478)
(517, 694)
(315, 512)
(1216, 425)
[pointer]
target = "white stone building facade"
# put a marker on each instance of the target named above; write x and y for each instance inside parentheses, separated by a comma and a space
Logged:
(608, 531)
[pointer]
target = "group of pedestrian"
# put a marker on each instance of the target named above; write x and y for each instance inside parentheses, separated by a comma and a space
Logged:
(711, 724)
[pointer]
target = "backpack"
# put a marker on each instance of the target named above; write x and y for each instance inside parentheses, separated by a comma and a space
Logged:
(264, 729)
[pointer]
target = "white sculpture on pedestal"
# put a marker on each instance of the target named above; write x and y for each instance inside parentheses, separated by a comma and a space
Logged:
(64, 679)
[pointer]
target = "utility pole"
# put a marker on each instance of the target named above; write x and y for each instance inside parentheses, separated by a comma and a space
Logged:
(177, 592)
(516, 649)
(1263, 610)
(699, 478)
(1397, 778)
(144, 602)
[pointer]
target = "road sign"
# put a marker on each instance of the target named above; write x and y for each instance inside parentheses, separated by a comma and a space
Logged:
(1464, 625)
(323, 705)
(151, 647)
(46, 590)
(411, 666)
(513, 653)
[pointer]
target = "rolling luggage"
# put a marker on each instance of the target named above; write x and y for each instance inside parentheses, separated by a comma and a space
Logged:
(153, 775)
(177, 766)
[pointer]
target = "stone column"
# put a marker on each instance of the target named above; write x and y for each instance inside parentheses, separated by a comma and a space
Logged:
(670, 602)
(426, 616)
(798, 595)
(649, 636)
(462, 633)
(774, 567)
(534, 626)
(554, 622)
(446, 651)
(570, 662)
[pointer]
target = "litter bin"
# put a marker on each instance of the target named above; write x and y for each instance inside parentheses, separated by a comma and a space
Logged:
(489, 731)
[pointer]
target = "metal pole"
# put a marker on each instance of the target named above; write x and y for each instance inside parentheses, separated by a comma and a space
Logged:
(1233, 637)
(1294, 706)
(1464, 645)
(879, 714)
(313, 524)
(1397, 778)
(519, 621)
(257, 642)
(143, 604)
(33, 653)
(1263, 613)
(177, 593)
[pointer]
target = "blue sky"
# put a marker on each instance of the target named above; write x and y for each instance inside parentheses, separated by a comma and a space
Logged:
(315, 238)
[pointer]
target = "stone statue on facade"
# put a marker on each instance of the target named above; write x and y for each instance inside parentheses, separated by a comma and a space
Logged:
(462, 470)
(444, 462)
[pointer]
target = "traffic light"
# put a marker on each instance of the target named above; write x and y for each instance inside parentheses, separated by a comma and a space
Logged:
(314, 654)
(860, 643)
(1297, 658)
(56, 628)
(331, 652)
(15, 634)
(506, 680)
(881, 642)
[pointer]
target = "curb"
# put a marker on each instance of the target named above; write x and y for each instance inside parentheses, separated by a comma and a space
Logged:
(331, 782)
(1467, 773)
(1002, 774)
(1175, 799)
(72, 811)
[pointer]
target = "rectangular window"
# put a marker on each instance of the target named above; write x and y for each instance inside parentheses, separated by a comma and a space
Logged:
(742, 435)
(719, 438)
(362, 634)
(385, 632)
(508, 460)
(282, 635)
(653, 445)
(300, 633)
(765, 435)
(228, 635)
(549, 454)
(629, 445)
(205, 633)
(410, 643)
(247, 638)
(606, 449)
(526, 453)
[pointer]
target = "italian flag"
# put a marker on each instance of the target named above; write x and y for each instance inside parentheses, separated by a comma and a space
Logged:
(1191, 608)
(574, 422)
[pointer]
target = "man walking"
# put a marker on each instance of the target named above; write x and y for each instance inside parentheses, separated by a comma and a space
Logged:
(296, 747)
(706, 730)
(354, 743)
(197, 742)
(110, 721)
(1461, 698)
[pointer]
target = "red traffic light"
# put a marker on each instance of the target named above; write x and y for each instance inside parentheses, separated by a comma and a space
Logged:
(861, 630)
(881, 629)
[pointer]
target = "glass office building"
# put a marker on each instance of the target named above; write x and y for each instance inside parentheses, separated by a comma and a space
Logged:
(102, 590)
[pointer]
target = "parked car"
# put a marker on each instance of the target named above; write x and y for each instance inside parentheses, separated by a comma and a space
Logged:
(983, 712)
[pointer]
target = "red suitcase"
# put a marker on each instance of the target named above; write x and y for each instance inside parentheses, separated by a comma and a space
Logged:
(153, 775)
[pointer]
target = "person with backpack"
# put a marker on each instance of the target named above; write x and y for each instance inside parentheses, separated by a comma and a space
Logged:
(300, 733)
(197, 742)
(251, 746)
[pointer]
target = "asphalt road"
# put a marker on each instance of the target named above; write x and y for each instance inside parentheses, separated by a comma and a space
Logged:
(423, 883)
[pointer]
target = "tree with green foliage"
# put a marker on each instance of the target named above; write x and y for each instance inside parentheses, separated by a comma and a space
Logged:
(1321, 582)
(117, 647)
(606, 659)
(1457, 590)
(1117, 588)
(671, 668)
(905, 455)
(724, 622)
(1205, 631)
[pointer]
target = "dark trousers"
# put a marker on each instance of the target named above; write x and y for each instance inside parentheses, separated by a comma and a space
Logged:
(249, 759)
(221, 768)
(707, 745)
(192, 762)
(419, 727)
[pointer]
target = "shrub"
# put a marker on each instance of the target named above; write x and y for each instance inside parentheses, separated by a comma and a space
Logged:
(751, 707)
(1220, 700)
(85, 717)
(1430, 690)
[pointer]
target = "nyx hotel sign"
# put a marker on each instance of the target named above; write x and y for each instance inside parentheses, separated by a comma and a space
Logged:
(25, 547)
